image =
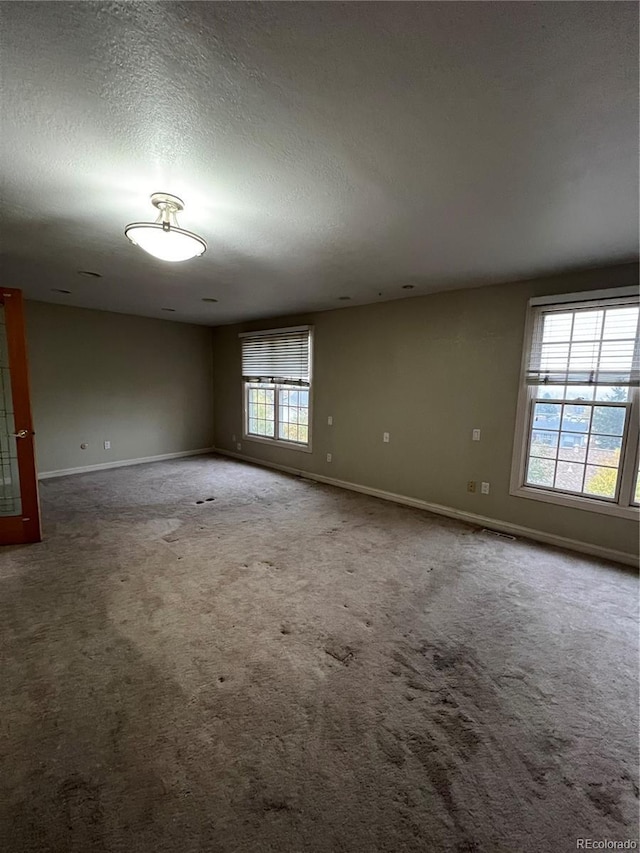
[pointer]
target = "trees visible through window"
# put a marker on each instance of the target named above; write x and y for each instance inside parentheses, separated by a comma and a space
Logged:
(276, 410)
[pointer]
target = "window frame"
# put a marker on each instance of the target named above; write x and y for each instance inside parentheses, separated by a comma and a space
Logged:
(263, 439)
(623, 506)
(247, 384)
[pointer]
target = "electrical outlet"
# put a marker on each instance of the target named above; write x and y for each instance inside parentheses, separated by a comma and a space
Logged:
(107, 445)
(471, 486)
(329, 457)
(239, 446)
(330, 420)
(484, 488)
(385, 437)
(476, 435)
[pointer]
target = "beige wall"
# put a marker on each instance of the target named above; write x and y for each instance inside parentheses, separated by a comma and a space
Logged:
(428, 370)
(144, 385)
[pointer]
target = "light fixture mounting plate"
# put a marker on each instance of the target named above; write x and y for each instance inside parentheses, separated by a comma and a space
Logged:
(166, 201)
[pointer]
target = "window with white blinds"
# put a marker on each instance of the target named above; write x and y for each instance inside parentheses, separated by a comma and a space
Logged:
(276, 375)
(578, 424)
(281, 356)
(591, 344)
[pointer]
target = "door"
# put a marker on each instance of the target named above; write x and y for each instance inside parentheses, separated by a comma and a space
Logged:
(19, 509)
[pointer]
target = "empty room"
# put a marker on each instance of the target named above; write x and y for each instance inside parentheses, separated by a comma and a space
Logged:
(319, 428)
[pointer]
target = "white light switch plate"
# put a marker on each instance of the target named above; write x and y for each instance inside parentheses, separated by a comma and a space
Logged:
(385, 437)
(476, 435)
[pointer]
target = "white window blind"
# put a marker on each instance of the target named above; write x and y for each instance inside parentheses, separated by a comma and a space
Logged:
(279, 356)
(593, 344)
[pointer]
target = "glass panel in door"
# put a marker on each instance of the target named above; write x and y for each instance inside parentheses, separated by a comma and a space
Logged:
(10, 500)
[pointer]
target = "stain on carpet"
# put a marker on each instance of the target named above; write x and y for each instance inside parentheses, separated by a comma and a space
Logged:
(605, 800)
(339, 651)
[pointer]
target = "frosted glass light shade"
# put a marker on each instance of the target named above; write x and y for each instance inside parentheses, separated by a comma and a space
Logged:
(164, 238)
(173, 244)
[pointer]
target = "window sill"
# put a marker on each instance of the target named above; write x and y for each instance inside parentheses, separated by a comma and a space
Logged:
(278, 442)
(576, 502)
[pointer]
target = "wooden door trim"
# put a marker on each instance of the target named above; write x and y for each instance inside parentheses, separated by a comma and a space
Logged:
(26, 527)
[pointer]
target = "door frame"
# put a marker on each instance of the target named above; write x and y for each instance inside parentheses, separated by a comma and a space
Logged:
(25, 527)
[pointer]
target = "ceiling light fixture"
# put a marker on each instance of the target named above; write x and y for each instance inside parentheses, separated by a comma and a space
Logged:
(163, 238)
(408, 286)
(90, 273)
(208, 299)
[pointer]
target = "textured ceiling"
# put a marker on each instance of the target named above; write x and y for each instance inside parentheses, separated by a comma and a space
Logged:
(322, 149)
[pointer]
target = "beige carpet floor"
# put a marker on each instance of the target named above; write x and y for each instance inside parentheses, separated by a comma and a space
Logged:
(208, 656)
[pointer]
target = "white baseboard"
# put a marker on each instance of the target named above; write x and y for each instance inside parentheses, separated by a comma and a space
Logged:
(451, 512)
(122, 463)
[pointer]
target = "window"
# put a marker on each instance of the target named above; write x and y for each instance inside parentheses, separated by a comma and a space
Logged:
(577, 426)
(276, 376)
